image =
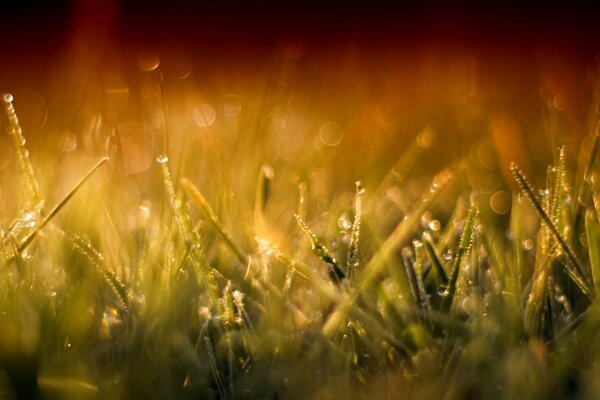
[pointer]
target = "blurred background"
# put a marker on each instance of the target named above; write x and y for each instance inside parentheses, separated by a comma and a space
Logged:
(341, 86)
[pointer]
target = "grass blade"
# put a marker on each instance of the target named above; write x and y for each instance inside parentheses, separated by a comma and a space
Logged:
(352, 261)
(59, 206)
(336, 274)
(573, 266)
(208, 212)
(466, 241)
(14, 129)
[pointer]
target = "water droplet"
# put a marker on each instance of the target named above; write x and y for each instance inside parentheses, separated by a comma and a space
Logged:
(28, 216)
(448, 255)
(543, 192)
(162, 159)
(426, 218)
(344, 223)
(359, 188)
(435, 225)
(527, 244)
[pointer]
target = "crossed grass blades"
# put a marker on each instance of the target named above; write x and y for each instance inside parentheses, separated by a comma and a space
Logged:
(185, 306)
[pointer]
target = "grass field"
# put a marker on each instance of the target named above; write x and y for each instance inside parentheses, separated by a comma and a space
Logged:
(166, 259)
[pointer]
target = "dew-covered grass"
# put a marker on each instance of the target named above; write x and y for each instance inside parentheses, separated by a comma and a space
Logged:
(212, 274)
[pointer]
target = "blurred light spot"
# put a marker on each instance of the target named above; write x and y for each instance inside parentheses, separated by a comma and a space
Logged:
(178, 63)
(331, 133)
(110, 319)
(148, 61)
(487, 156)
(500, 202)
(204, 115)
(389, 112)
(559, 102)
(67, 141)
(527, 244)
(144, 212)
(232, 106)
(483, 180)
(426, 137)
(137, 144)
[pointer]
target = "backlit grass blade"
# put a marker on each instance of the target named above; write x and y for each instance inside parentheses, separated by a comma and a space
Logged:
(573, 266)
(14, 129)
(208, 212)
(379, 259)
(59, 206)
(466, 242)
(593, 238)
(435, 261)
(336, 274)
(352, 260)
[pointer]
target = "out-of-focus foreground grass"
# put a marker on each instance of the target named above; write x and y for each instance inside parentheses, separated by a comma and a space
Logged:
(225, 250)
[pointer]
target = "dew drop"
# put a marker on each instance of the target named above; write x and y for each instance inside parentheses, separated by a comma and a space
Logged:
(344, 223)
(162, 159)
(435, 225)
(527, 244)
(359, 188)
(448, 255)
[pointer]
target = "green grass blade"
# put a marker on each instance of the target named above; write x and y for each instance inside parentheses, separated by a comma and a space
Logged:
(379, 259)
(573, 266)
(466, 241)
(435, 261)
(208, 212)
(321, 251)
(593, 238)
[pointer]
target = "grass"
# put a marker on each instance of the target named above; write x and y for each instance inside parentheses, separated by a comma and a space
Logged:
(189, 291)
